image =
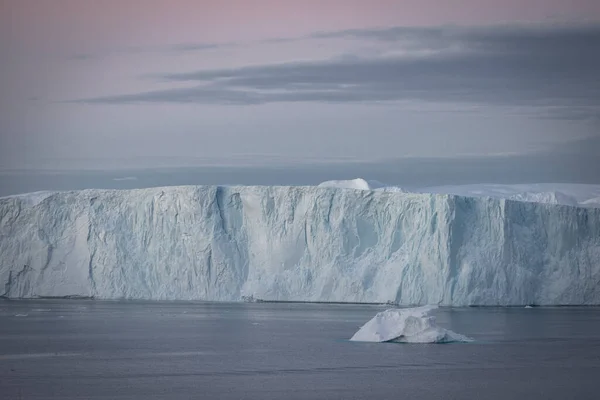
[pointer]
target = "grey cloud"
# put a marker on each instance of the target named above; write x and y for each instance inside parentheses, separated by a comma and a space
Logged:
(133, 51)
(512, 37)
(509, 32)
(553, 68)
(386, 34)
(201, 94)
(193, 47)
(573, 113)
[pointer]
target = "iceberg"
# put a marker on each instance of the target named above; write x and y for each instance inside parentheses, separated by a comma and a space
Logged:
(278, 243)
(411, 325)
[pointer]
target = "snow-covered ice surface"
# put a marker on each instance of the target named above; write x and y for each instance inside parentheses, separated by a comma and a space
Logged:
(32, 199)
(362, 184)
(408, 325)
(298, 243)
(571, 194)
(358, 184)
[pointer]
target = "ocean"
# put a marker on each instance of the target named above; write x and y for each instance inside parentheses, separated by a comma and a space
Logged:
(89, 349)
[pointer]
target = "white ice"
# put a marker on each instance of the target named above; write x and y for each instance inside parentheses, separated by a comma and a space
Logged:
(408, 325)
(358, 183)
(571, 194)
(300, 244)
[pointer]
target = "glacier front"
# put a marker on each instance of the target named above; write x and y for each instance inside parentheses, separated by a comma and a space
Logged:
(298, 243)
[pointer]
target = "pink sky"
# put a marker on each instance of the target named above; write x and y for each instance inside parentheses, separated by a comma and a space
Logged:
(77, 24)
(59, 50)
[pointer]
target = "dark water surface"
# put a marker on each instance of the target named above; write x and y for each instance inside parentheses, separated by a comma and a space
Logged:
(66, 349)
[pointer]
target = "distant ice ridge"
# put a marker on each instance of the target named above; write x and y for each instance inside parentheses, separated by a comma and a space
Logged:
(361, 184)
(409, 325)
(582, 195)
(298, 243)
(33, 198)
(358, 183)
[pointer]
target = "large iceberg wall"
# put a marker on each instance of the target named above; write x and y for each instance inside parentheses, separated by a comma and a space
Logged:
(298, 243)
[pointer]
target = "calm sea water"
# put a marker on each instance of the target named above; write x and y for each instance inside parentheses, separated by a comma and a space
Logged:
(147, 350)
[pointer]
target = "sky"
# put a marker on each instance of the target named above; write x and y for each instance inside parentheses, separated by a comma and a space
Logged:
(88, 84)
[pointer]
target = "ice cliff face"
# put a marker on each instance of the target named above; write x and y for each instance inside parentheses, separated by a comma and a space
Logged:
(298, 243)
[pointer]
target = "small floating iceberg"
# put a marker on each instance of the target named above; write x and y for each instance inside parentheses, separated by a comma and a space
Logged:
(408, 325)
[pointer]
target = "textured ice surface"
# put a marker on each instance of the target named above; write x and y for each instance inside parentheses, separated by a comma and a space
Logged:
(553, 193)
(362, 184)
(409, 325)
(571, 194)
(298, 243)
(593, 202)
(33, 198)
(358, 183)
